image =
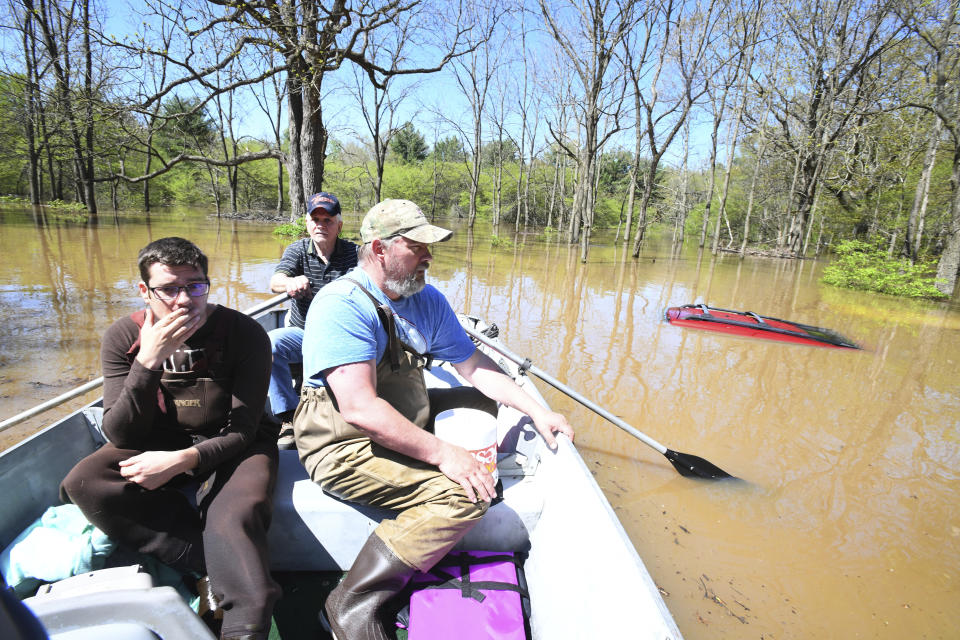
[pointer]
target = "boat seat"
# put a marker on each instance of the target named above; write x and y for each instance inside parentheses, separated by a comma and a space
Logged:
(313, 531)
(120, 603)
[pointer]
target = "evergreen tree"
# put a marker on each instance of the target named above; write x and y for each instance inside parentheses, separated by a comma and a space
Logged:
(409, 144)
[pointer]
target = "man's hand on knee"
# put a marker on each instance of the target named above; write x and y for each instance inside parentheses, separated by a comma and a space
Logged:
(457, 464)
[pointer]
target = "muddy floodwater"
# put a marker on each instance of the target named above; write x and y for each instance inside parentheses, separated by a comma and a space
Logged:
(847, 524)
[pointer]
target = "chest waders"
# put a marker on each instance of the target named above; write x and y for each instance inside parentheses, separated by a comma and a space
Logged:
(195, 401)
(387, 560)
(399, 381)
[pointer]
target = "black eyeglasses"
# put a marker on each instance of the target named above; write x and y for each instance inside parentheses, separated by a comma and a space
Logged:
(170, 292)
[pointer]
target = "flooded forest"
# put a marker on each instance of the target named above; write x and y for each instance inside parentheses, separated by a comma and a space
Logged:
(599, 163)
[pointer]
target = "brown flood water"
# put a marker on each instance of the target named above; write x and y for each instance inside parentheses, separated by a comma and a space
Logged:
(848, 524)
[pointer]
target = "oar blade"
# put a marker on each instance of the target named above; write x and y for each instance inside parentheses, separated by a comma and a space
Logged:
(696, 467)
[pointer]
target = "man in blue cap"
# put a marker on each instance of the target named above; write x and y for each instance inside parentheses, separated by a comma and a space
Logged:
(306, 265)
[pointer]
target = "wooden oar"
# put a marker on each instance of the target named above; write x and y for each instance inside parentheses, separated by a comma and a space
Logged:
(686, 464)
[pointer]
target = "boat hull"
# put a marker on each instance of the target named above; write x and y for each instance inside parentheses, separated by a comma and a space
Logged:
(751, 325)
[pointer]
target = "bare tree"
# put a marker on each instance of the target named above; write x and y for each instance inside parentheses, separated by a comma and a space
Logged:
(834, 53)
(943, 44)
(636, 51)
(496, 113)
(758, 164)
(270, 98)
(23, 21)
(473, 73)
(682, 54)
(589, 34)
(914, 230)
(60, 28)
(379, 101)
(314, 39)
(746, 26)
(157, 68)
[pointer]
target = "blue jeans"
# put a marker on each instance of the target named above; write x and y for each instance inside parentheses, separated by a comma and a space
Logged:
(287, 346)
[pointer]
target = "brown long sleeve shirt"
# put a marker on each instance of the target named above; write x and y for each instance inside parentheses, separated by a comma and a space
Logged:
(135, 415)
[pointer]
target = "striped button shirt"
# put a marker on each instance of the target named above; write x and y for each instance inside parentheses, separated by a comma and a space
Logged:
(301, 259)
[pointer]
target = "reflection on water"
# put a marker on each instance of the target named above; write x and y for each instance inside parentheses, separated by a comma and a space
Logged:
(848, 526)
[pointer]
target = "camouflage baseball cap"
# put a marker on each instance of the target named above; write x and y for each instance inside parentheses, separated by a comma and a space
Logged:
(323, 200)
(400, 218)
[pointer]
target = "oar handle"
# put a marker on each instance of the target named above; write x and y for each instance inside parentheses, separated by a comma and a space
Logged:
(499, 348)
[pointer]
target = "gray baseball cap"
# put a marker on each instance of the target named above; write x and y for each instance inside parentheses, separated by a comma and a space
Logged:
(400, 218)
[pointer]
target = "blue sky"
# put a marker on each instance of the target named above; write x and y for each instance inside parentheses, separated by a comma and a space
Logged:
(433, 93)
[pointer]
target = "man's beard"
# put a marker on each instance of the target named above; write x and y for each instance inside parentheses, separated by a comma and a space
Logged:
(404, 286)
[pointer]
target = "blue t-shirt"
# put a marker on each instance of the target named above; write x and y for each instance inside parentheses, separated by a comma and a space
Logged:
(343, 327)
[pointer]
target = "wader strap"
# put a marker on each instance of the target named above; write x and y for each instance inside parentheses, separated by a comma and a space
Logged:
(394, 344)
(389, 323)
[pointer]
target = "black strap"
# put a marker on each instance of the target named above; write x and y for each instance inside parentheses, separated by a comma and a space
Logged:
(524, 366)
(469, 588)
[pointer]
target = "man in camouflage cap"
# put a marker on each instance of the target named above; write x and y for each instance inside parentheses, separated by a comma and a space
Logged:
(360, 422)
(400, 218)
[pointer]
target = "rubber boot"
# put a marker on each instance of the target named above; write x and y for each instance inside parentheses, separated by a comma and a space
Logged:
(353, 608)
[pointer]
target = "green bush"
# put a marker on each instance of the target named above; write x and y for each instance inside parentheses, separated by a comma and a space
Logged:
(295, 229)
(67, 206)
(504, 242)
(867, 267)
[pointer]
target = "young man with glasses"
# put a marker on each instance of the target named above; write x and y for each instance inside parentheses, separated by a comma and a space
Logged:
(185, 383)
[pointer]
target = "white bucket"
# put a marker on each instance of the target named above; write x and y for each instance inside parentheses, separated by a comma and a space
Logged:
(472, 429)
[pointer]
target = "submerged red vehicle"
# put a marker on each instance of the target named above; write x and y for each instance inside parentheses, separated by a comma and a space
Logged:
(752, 325)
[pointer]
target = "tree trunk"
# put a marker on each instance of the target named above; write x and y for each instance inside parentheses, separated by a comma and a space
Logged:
(644, 204)
(911, 243)
(553, 190)
(475, 171)
(731, 147)
(710, 186)
(87, 162)
(679, 228)
(279, 187)
(561, 205)
(573, 231)
(950, 258)
(584, 195)
(788, 214)
(498, 185)
(753, 190)
(30, 100)
(298, 199)
(635, 169)
(813, 216)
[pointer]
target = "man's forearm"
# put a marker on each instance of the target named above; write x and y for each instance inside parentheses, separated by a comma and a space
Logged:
(278, 282)
(497, 386)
